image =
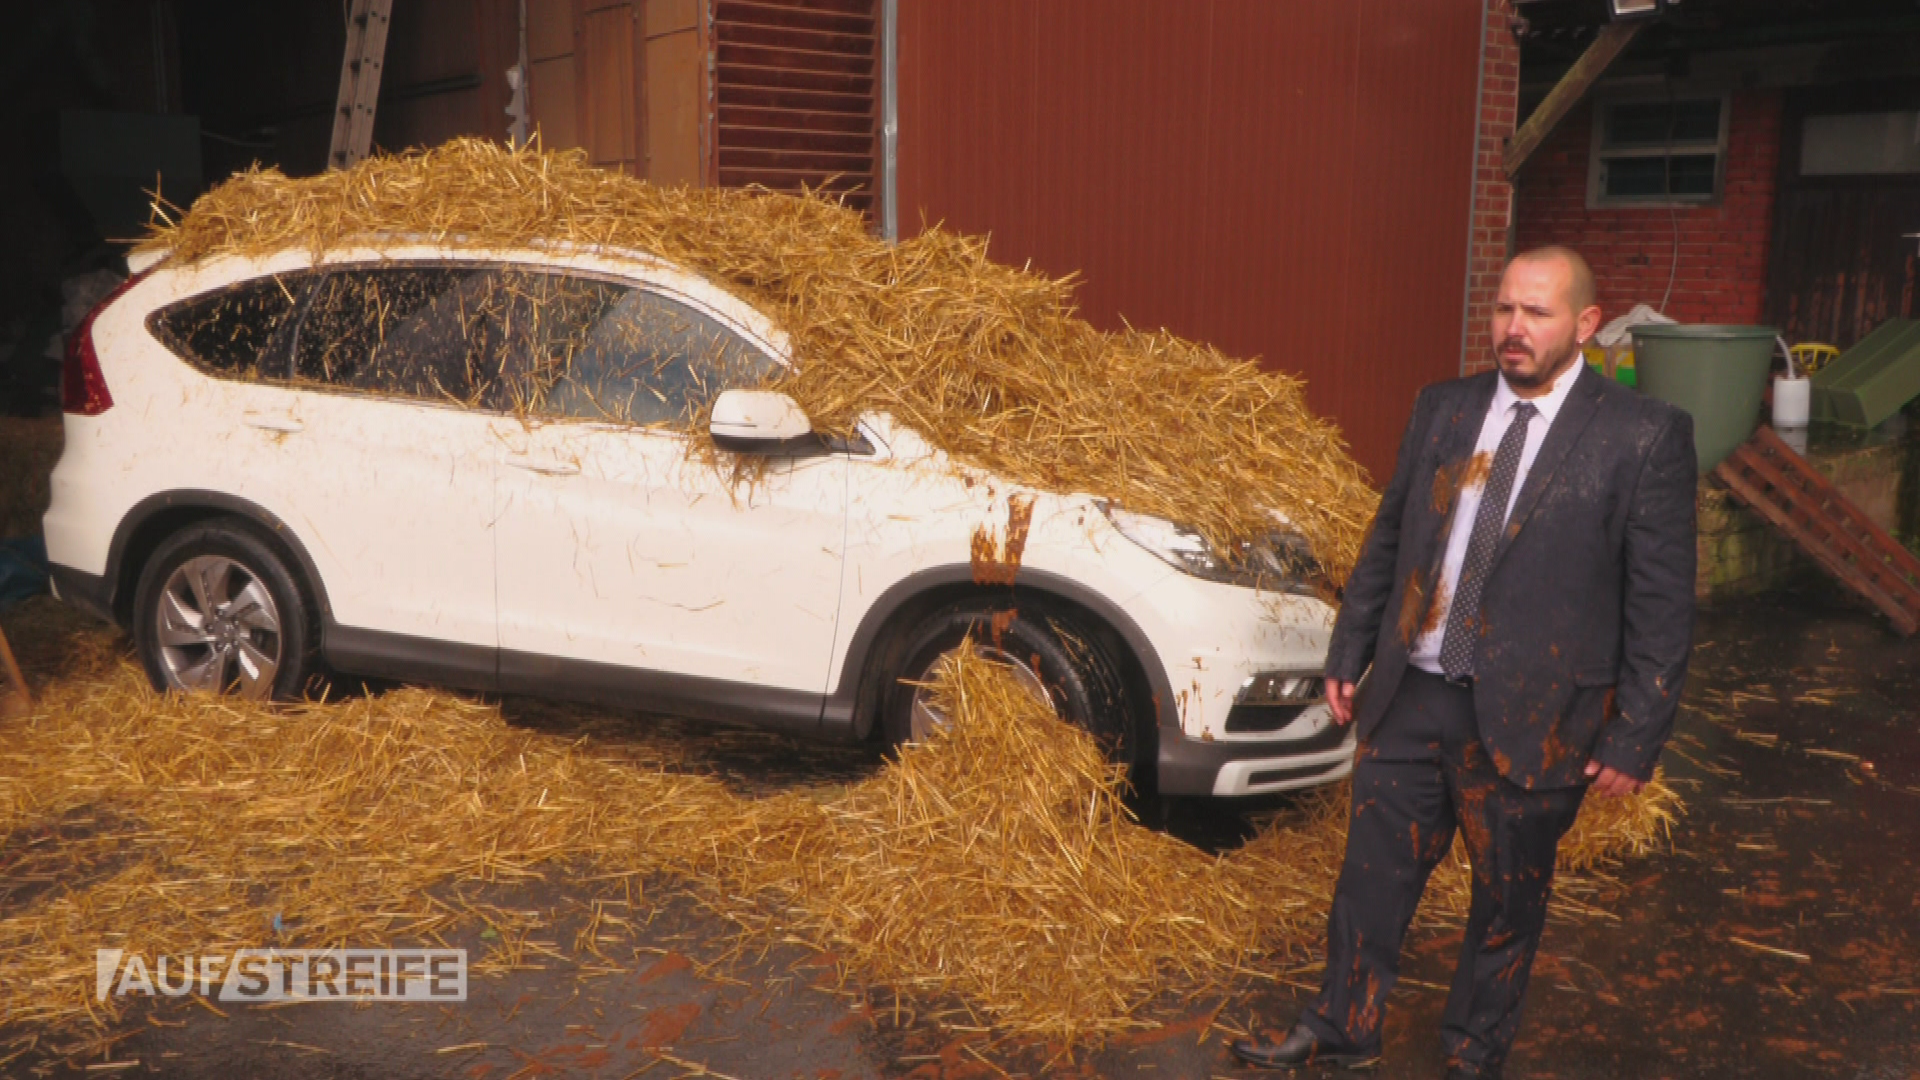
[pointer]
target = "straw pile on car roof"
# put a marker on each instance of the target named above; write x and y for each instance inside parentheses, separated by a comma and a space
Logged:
(989, 362)
(995, 864)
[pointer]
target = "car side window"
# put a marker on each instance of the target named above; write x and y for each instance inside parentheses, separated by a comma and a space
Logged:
(640, 357)
(543, 320)
(236, 332)
(421, 332)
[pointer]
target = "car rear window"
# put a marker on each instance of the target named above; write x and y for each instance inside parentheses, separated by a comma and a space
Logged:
(235, 332)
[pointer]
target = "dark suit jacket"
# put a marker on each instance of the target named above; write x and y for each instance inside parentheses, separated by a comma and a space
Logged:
(1587, 615)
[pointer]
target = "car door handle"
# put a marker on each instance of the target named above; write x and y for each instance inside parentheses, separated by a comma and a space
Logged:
(286, 425)
(543, 466)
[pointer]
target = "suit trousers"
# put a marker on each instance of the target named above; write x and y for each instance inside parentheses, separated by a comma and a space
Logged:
(1422, 776)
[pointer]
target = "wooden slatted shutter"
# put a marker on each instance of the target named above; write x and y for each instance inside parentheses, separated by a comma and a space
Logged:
(794, 88)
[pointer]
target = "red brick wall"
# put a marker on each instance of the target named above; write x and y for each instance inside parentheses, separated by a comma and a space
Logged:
(1722, 267)
(1492, 195)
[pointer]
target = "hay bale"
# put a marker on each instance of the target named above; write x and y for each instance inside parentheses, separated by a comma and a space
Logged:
(989, 362)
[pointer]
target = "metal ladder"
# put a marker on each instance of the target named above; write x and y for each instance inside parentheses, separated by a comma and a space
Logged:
(359, 82)
(1779, 485)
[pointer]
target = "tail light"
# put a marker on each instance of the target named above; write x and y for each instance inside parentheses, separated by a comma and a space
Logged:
(83, 389)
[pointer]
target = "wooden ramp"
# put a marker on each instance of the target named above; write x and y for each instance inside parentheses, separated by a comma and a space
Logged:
(1779, 485)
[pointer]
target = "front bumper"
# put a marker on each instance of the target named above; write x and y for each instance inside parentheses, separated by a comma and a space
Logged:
(1213, 642)
(1226, 768)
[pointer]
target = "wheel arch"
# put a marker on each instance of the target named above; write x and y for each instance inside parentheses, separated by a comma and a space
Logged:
(872, 649)
(145, 527)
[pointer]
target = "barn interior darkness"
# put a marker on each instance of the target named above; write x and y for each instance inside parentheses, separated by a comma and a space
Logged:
(102, 100)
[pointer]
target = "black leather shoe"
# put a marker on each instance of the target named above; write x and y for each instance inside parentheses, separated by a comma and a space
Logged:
(1302, 1047)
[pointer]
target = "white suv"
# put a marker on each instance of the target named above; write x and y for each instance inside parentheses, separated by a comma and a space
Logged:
(476, 468)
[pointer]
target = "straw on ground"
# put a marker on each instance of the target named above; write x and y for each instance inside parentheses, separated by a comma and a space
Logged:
(996, 863)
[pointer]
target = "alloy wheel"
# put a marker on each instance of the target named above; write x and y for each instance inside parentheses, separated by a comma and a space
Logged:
(926, 717)
(218, 629)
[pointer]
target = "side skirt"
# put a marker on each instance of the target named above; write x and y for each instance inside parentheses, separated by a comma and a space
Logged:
(478, 667)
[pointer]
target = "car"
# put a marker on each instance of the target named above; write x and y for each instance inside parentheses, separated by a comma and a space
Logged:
(480, 468)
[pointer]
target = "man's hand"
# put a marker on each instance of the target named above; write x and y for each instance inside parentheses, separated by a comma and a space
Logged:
(1609, 781)
(1340, 700)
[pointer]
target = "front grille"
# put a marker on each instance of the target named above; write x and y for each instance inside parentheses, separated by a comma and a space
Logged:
(1261, 719)
(1274, 776)
(1327, 738)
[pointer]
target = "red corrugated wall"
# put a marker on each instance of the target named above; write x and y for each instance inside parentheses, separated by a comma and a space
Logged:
(1287, 179)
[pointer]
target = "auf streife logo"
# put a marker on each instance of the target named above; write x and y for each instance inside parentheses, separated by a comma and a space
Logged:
(288, 975)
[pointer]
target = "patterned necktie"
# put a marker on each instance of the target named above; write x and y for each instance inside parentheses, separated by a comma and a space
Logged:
(1456, 648)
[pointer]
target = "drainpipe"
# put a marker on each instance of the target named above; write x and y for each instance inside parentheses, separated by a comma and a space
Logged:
(1473, 191)
(889, 195)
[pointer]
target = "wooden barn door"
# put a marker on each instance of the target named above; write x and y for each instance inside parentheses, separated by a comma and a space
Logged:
(1843, 260)
(610, 88)
(622, 79)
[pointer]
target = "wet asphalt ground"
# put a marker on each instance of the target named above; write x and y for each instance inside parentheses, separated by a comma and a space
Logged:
(1779, 938)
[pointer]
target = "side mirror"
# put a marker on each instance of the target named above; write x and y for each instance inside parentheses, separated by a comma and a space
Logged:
(758, 421)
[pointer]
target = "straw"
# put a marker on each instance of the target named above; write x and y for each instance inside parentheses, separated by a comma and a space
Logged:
(989, 362)
(996, 864)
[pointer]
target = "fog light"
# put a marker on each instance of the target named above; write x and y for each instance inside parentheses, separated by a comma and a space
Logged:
(1282, 688)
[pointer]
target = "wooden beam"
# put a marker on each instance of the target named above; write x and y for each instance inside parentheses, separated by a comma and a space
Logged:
(15, 701)
(1608, 45)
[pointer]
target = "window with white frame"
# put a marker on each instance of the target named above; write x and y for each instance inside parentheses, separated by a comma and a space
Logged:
(1658, 151)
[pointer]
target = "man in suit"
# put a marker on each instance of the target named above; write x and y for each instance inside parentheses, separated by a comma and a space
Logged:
(1525, 602)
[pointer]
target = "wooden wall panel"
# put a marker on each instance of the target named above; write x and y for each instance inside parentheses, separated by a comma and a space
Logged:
(554, 102)
(1843, 257)
(1286, 180)
(549, 29)
(673, 64)
(610, 86)
(430, 40)
(432, 119)
(553, 89)
(442, 73)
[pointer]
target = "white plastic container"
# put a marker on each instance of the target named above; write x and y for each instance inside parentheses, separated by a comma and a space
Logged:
(1792, 402)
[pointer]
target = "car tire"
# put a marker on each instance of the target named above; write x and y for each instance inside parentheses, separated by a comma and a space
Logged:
(219, 610)
(1049, 649)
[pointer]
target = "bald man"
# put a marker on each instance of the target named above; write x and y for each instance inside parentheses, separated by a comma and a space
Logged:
(1522, 613)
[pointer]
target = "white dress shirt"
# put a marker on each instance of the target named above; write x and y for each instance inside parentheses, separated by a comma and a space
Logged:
(1426, 648)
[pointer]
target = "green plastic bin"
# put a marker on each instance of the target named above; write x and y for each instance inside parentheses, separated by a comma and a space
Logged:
(1716, 373)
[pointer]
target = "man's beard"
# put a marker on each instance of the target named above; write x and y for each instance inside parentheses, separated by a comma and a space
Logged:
(1544, 375)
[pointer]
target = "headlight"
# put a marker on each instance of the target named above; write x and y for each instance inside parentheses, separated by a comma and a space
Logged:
(1278, 562)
